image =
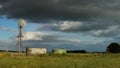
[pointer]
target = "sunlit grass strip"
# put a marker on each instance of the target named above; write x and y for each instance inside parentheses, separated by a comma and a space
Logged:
(97, 60)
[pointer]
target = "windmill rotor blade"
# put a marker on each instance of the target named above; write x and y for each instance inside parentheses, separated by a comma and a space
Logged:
(22, 23)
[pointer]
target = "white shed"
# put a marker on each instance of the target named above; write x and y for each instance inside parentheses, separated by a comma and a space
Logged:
(35, 51)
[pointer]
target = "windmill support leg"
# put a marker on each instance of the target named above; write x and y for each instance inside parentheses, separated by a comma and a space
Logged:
(20, 44)
(20, 40)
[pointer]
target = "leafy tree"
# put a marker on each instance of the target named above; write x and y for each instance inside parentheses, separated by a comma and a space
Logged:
(113, 48)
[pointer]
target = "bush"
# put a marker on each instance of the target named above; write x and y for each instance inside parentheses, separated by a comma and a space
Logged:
(113, 48)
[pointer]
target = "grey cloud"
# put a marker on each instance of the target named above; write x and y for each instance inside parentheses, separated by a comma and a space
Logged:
(110, 32)
(77, 26)
(94, 29)
(51, 38)
(116, 38)
(51, 41)
(71, 26)
(38, 10)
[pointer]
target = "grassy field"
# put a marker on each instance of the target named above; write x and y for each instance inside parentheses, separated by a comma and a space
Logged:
(95, 60)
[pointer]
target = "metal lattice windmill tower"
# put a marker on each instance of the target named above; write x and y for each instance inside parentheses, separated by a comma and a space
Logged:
(21, 25)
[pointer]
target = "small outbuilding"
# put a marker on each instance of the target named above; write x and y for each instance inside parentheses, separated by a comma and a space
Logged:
(59, 51)
(35, 51)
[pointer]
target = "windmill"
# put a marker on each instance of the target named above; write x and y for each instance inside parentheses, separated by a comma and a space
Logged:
(21, 25)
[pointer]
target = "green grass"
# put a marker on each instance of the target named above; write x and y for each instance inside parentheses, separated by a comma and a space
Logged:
(61, 61)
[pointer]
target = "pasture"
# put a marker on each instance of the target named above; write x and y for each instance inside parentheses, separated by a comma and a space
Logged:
(88, 60)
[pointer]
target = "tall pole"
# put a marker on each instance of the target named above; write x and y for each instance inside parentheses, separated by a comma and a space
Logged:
(20, 39)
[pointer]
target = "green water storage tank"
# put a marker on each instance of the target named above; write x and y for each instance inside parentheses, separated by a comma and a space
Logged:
(59, 51)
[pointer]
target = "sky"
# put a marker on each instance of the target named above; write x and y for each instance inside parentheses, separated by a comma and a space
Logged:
(71, 24)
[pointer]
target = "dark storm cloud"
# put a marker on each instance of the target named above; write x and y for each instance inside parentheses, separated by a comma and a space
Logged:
(37, 10)
(3, 1)
(94, 14)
